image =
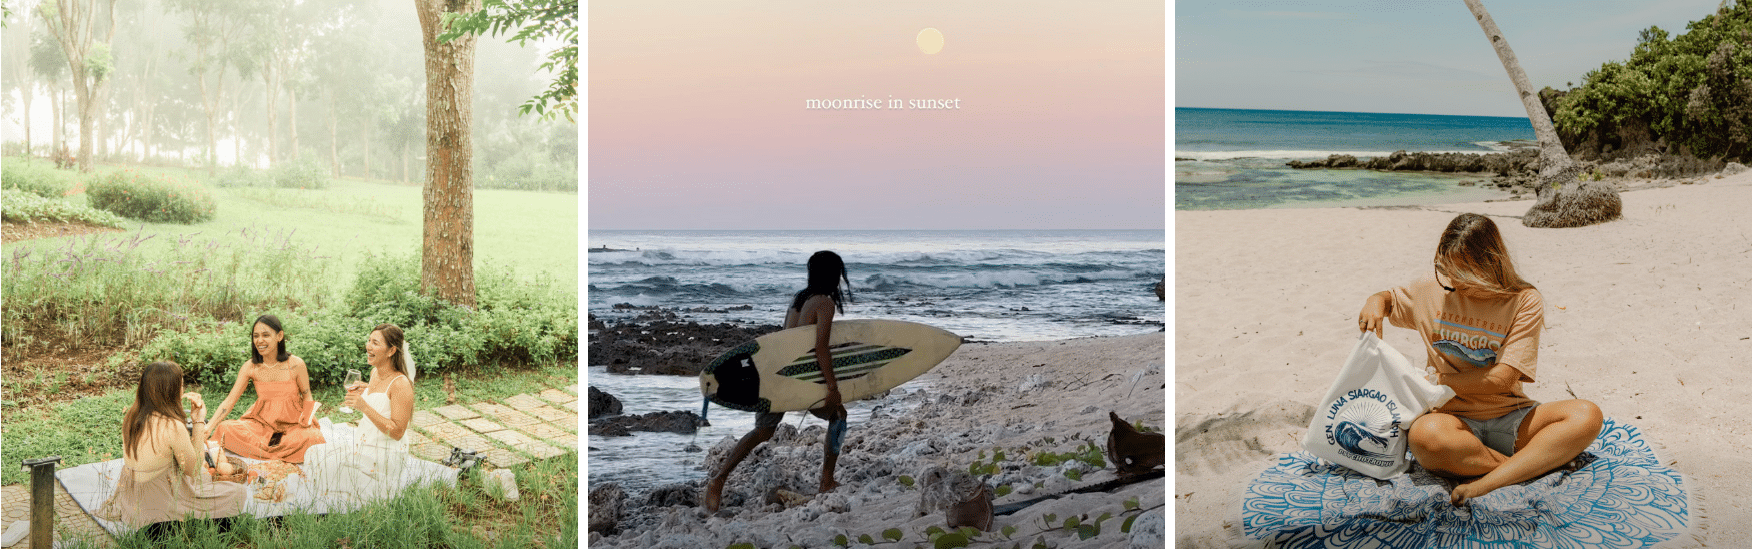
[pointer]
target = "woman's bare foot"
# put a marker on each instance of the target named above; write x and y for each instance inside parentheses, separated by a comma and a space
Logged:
(714, 494)
(828, 485)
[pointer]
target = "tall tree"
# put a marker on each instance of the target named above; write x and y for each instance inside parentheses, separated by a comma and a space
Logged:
(535, 21)
(49, 63)
(20, 74)
(447, 261)
(1557, 189)
(214, 29)
(72, 23)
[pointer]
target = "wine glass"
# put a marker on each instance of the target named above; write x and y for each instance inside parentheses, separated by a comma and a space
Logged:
(353, 378)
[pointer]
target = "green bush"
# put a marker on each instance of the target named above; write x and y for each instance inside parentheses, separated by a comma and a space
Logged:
(305, 173)
(517, 322)
(243, 176)
(150, 198)
(25, 207)
(39, 178)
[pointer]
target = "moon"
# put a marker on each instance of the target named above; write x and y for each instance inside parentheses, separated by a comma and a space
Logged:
(930, 41)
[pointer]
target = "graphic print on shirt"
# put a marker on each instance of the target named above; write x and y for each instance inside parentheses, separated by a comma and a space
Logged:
(1462, 339)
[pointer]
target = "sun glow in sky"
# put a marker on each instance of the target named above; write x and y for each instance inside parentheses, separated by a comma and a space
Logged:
(698, 118)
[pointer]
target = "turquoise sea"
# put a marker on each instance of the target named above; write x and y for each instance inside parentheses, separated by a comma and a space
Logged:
(1234, 158)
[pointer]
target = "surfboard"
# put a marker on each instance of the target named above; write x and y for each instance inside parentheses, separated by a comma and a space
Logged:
(779, 372)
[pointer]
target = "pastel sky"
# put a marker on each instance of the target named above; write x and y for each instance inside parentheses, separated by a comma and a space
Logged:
(1399, 56)
(697, 115)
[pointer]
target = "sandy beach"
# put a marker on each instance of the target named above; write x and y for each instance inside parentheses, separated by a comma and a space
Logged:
(1649, 316)
(1021, 397)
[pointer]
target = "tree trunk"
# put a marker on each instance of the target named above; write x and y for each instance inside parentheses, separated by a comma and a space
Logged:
(237, 126)
(334, 134)
(29, 90)
(447, 261)
(365, 138)
(292, 120)
(272, 100)
(56, 137)
(1557, 172)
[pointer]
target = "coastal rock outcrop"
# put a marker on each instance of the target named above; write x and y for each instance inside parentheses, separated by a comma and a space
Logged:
(681, 422)
(1511, 161)
(1733, 168)
(605, 507)
(1592, 202)
(602, 404)
(666, 346)
(674, 494)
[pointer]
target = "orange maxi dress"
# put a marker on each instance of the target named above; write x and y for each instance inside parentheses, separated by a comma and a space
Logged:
(277, 410)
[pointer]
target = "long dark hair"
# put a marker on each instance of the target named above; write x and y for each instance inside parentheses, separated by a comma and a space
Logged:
(393, 337)
(160, 392)
(1472, 251)
(273, 323)
(826, 270)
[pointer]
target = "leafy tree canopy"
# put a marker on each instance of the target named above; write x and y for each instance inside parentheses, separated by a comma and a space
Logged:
(1693, 90)
(538, 21)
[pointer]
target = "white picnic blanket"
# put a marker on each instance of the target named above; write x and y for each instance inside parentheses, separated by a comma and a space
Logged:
(92, 484)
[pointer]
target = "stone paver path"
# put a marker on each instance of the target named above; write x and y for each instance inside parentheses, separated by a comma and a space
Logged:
(509, 432)
(70, 520)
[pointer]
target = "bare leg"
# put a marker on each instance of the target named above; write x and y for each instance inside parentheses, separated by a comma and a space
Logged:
(830, 446)
(1553, 434)
(1446, 447)
(715, 488)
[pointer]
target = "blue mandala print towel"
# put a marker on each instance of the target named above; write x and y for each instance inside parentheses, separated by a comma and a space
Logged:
(1622, 497)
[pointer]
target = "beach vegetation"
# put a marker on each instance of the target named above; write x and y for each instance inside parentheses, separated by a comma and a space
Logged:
(1691, 92)
(892, 534)
(906, 480)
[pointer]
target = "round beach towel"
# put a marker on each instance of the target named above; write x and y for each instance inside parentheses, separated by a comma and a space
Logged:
(1621, 497)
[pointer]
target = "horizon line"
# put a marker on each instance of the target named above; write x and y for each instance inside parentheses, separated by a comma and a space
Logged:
(1346, 112)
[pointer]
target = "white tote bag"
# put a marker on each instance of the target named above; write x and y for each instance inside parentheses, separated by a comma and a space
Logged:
(1363, 421)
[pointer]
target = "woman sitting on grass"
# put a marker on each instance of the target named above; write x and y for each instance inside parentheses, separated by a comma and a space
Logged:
(278, 426)
(367, 463)
(1480, 324)
(164, 477)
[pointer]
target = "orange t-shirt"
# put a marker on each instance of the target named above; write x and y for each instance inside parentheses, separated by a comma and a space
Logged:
(1461, 334)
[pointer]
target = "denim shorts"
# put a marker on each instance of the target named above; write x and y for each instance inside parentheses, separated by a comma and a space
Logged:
(1500, 433)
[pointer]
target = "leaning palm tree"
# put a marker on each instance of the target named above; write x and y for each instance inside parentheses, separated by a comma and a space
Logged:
(1563, 201)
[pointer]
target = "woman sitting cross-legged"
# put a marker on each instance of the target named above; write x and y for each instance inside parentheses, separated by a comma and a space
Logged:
(1480, 324)
(278, 426)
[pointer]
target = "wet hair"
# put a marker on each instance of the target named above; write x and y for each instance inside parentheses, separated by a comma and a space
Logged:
(160, 393)
(393, 337)
(826, 270)
(1471, 252)
(273, 323)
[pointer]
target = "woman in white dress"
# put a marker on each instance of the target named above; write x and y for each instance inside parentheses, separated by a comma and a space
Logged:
(367, 464)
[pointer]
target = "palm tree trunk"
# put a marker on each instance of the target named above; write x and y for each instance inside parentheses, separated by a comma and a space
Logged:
(1563, 201)
(1553, 159)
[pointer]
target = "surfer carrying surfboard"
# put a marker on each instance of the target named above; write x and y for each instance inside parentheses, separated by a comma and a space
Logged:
(1480, 323)
(814, 305)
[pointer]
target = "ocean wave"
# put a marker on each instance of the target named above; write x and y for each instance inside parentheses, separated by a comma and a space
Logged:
(864, 260)
(889, 281)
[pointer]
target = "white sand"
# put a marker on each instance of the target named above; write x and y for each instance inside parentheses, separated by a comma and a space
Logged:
(1649, 316)
(1009, 395)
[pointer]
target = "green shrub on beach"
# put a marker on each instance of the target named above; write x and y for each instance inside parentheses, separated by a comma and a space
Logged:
(150, 198)
(26, 207)
(37, 177)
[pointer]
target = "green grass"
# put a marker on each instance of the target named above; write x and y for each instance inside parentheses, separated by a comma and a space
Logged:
(534, 231)
(83, 431)
(430, 516)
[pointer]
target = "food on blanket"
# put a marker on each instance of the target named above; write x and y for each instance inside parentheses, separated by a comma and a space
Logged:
(272, 492)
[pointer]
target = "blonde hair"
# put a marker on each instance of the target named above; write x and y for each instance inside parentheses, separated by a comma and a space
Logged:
(1472, 253)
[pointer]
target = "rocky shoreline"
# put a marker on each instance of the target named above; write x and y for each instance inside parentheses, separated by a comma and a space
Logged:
(660, 341)
(1036, 401)
(1517, 171)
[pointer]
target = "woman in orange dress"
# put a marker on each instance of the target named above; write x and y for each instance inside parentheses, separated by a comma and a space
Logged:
(163, 475)
(279, 425)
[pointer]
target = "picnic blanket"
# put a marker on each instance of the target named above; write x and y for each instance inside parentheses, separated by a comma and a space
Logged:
(92, 484)
(1623, 496)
